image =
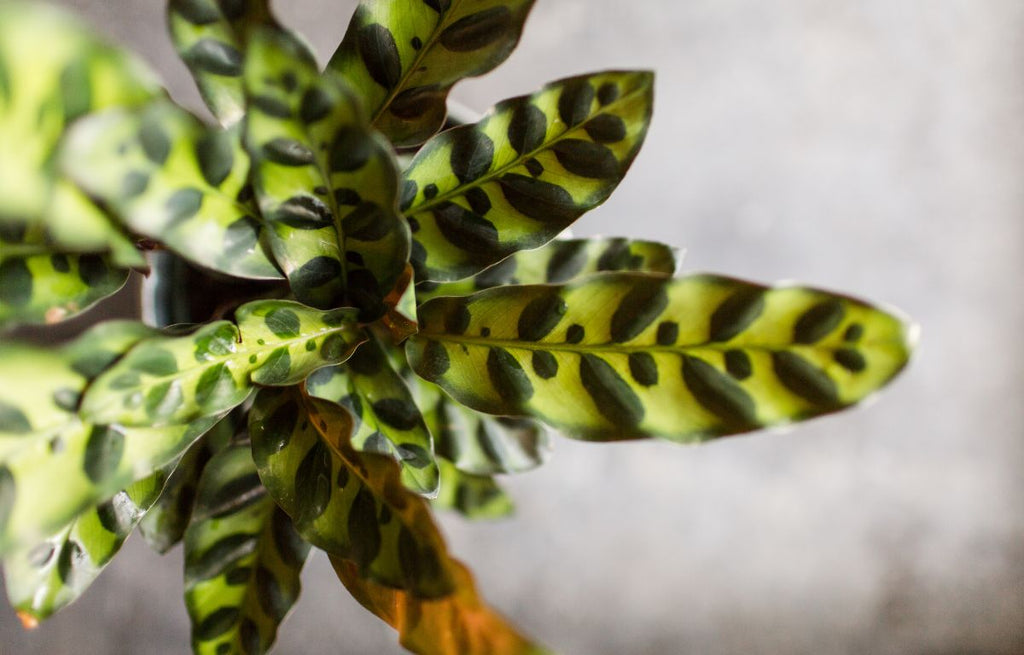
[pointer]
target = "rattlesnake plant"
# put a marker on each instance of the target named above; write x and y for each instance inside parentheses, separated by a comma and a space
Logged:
(421, 323)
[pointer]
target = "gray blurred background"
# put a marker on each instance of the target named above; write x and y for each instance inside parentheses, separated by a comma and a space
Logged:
(874, 147)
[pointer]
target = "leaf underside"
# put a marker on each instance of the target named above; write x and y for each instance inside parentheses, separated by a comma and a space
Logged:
(685, 359)
(457, 624)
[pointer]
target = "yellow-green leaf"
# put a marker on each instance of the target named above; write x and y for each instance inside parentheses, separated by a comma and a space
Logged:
(170, 380)
(404, 56)
(242, 559)
(211, 37)
(476, 497)
(172, 179)
(45, 577)
(327, 183)
(478, 193)
(388, 421)
(627, 355)
(53, 71)
(353, 505)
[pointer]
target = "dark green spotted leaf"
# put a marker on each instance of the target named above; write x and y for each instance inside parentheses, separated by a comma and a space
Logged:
(164, 524)
(387, 420)
(627, 355)
(242, 559)
(478, 193)
(172, 179)
(47, 576)
(211, 37)
(404, 57)
(563, 260)
(44, 89)
(44, 444)
(479, 444)
(327, 183)
(49, 287)
(168, 380)
(351, 504)
(476, 497)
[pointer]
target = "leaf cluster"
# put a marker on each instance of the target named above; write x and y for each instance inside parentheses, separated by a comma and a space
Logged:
(420, 319)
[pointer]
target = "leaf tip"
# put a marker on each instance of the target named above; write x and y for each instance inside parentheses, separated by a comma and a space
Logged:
(28, 620)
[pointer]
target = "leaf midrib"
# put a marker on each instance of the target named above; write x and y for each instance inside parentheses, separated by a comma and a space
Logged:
(626, 349)
(417, 60)
(491, 176)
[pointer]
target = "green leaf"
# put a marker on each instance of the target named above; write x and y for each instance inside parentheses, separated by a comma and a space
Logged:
(44, 444)
(474, 496)
(170, 380)
(46, 577)
(627, 355)
(326, 182)
(53, 70)
(477, 443)
(74, 224)
(172, 179)
(478, 193)
(350, 504)
(164, 524)
(388, 422)
(49, 287)
(242, 559)
(563, 260)
(457, 624)
(211, 38)
(404, 57)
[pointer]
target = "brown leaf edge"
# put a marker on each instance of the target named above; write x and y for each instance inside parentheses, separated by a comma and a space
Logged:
(459, 623)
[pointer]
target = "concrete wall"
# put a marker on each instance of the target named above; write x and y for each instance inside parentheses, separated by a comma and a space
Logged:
(875, 147)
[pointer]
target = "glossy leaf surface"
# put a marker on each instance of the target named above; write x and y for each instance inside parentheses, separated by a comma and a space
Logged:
(242, 559)
(387, 420)
(172, 179)
(563, 260)
(211, 37)
(404, 56)
(44, 443)
(169, 380)
(327, 183)
(478, 193)
(686, 359)
(44, 578)
(45, 88)
(353, 505)
(458, 624)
